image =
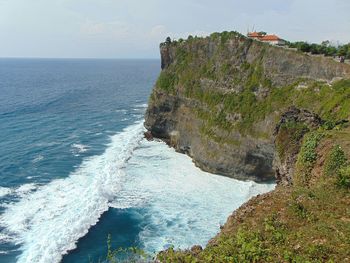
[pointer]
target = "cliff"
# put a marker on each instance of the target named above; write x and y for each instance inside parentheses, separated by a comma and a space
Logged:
(219, 98)
(306, 218)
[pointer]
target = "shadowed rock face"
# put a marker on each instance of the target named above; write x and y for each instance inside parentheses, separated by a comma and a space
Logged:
(235, 66)
(289, 132)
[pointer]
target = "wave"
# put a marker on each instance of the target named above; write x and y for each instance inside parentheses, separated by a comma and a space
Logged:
(48, 222)
(4, 238)
(20, 191)
(184, 205)
(142, 105)
(38, 158)
(79, 148)
(23, 190)
(4, 191)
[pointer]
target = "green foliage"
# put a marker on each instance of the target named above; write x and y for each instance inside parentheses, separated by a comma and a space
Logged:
(250, 246)
(168, 40)
(289, 136)
(335, 161)
(307, 157)
(170, 255)
(337, 165)
(311, 228)
(308, 154)
(276, 230)
(343, 178)
(195, 74)
(299, 209)
(318, 251)
(245, 246)
(127, 255)
(324, 48)
(166, 81)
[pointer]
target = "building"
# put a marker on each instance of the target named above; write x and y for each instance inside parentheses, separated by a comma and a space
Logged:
(263, 37)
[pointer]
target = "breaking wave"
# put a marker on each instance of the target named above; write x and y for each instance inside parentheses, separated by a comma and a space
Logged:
(48, 222)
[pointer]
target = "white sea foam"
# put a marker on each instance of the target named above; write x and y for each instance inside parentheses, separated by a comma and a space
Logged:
(23, 190)
(79, 148)
(142, 105)
(48, 222)
(5, 191)
(4, 238)
(186, 206)
(38, 158)
(183, 205)
(122, 111)
(47, 144)
(4, 252)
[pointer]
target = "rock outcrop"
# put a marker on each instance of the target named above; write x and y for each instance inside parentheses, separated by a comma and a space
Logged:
(289, 132)
(218, 99)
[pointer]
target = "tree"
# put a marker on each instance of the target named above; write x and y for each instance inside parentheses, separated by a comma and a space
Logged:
(348, 52)
(168, 40)
(303, 46)
(342, 51)
(331, 51)
(326, 43)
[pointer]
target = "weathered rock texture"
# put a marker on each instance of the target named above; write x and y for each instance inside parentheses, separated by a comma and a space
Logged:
(219, 98)
(289, 132)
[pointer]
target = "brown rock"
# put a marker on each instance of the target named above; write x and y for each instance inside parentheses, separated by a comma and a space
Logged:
(148, 135)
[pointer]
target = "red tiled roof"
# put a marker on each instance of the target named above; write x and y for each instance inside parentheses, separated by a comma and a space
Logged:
(270, 38)
(254, 34)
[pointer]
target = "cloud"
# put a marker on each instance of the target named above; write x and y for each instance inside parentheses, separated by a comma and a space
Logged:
(104, 29)
(131, 28)
(158, 31)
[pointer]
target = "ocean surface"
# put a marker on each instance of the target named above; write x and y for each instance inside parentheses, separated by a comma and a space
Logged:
(74, 166)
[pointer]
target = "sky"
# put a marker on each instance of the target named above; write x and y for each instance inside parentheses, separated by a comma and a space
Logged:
(134, 28)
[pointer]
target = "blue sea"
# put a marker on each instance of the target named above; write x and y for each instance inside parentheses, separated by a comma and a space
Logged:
(75, 168)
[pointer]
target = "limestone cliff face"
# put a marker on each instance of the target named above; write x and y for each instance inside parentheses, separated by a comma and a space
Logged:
(219, 98)
(289, 133)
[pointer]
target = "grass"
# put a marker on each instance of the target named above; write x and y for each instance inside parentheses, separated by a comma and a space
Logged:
(288, 139)
(302, 223)
(196, 75)
(335, 161)
(124, 255)
(308, 222)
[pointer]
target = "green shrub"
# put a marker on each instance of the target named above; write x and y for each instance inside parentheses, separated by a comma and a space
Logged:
(337, 165)
(299, 209)
(289, 137)
(127, 255)
(307, 157)
(308, 154)
(335, 161)
(167, 81)
(343, 178)
(275, 229)
(250, 247)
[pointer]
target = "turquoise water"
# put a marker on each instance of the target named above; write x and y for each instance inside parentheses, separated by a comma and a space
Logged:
(74, 166)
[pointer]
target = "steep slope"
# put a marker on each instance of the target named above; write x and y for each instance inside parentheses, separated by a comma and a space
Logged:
(307, 217)
(219, 98)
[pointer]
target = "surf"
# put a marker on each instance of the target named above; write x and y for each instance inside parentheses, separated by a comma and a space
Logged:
(48, 222)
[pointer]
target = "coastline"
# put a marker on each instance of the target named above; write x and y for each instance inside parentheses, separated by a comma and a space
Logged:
(234, 108)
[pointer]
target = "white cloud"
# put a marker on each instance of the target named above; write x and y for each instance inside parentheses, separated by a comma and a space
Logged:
(158, 31)
(104, 29)
(131, 28)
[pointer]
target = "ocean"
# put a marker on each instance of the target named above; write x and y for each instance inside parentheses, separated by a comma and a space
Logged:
(75, 168)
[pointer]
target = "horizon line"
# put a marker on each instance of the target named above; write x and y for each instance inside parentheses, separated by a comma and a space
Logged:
(81, 58)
